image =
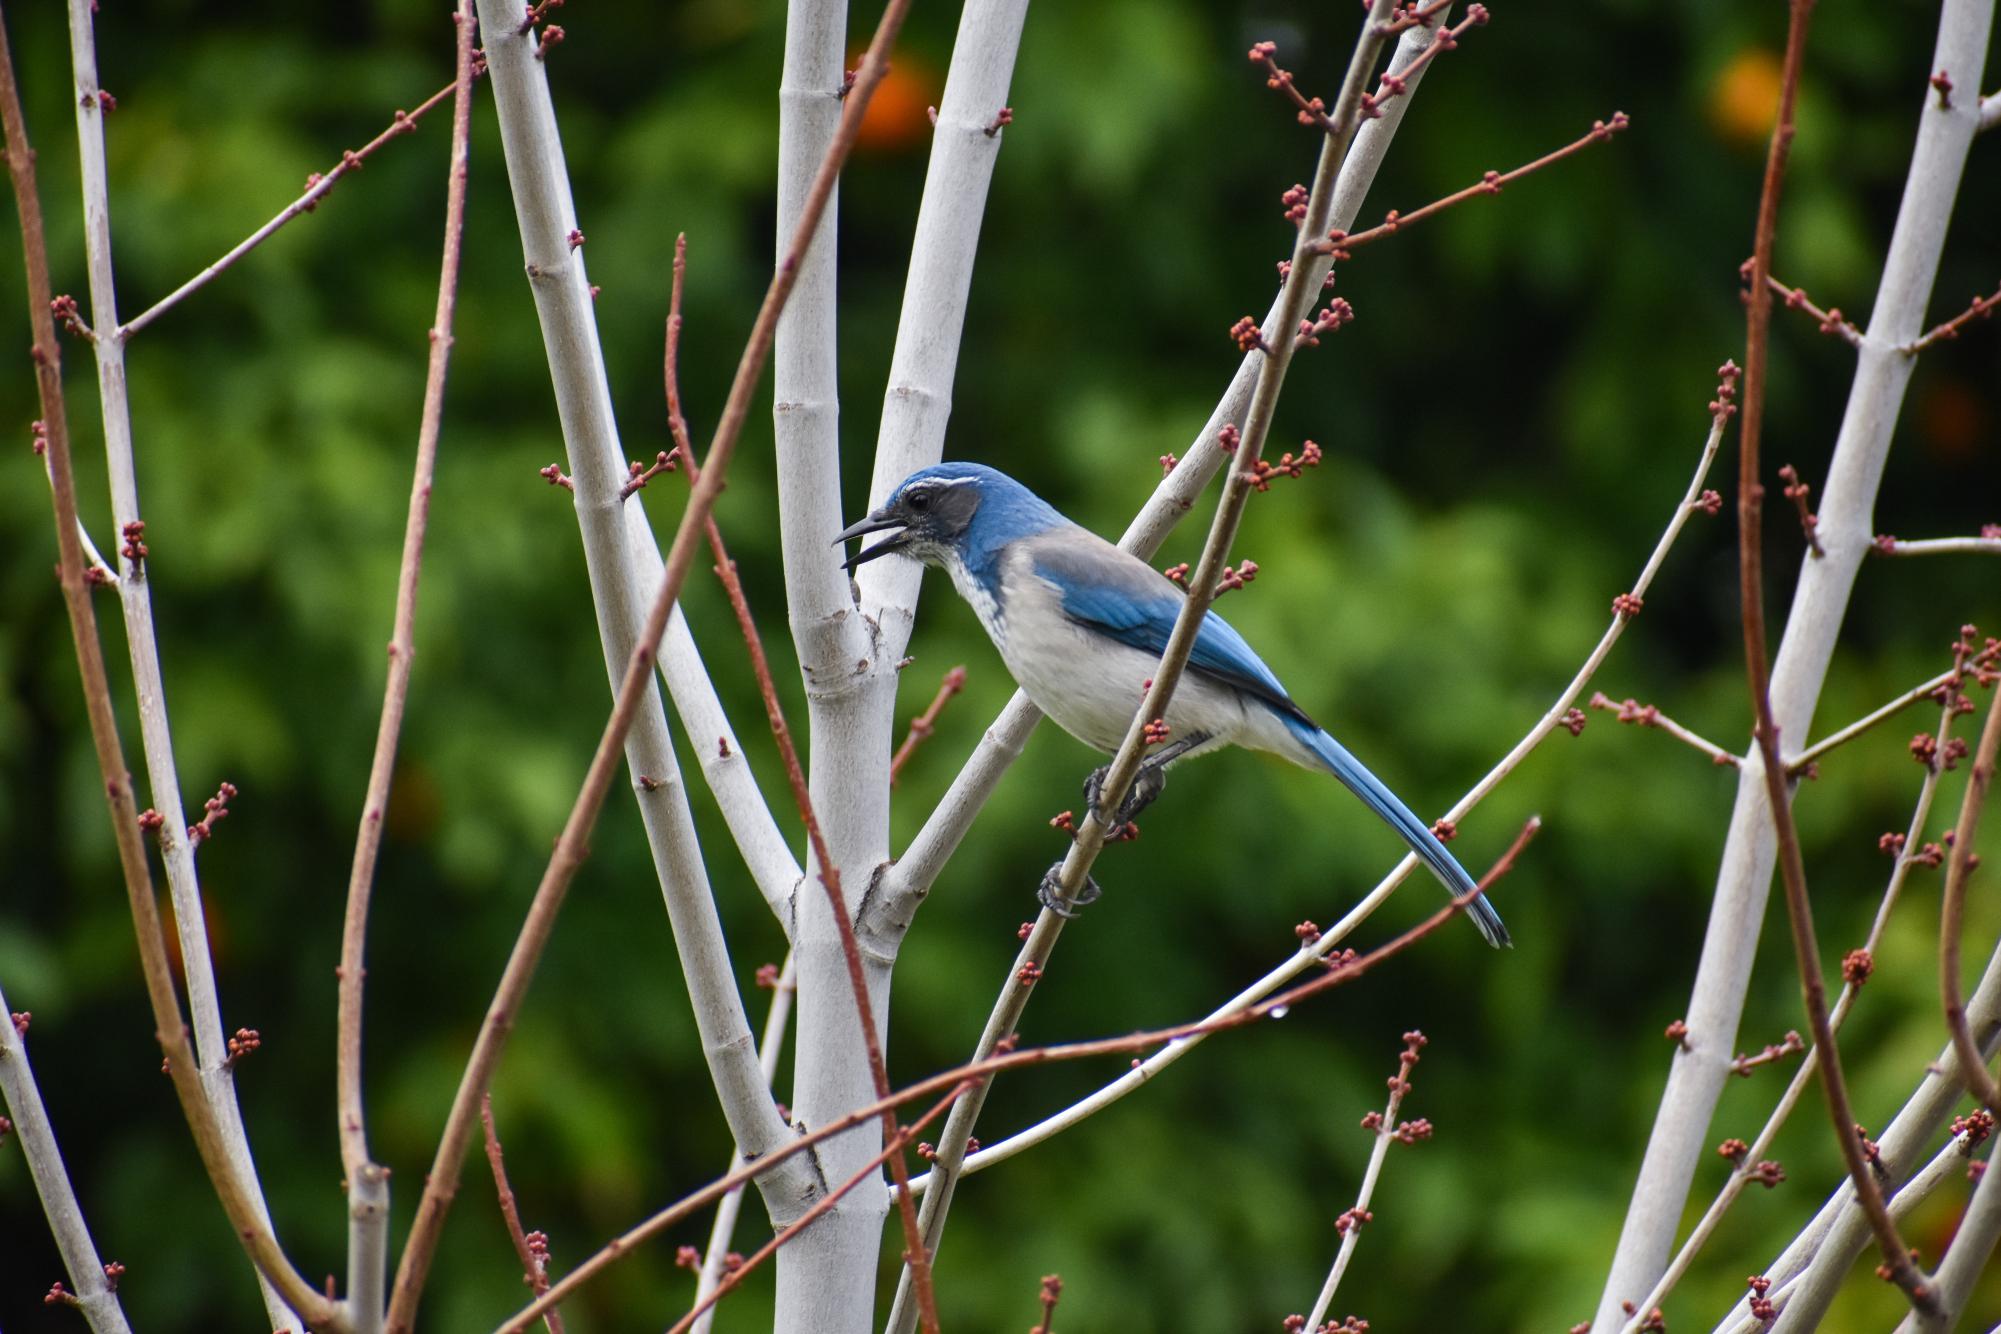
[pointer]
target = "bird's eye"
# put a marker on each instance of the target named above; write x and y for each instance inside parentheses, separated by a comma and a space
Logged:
(920, 500)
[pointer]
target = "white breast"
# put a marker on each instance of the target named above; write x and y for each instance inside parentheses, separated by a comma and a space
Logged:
(1089, 684)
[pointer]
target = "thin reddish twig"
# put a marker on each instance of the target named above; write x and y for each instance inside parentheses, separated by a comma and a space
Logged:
(1973, 1070)
(795, 777)
(1750, 496)
(1831, 321)
(169, 1026)
(1982, 307)
(1797, 492)
(1341, 244)
(1052, 1284)
(317, 187)
(571, 847)
(534, 1260)
(1337, 972)
(1646, 715)
(402, 638)
(922, 725)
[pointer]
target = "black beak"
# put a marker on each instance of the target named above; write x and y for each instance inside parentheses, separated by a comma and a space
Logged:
(874, 523)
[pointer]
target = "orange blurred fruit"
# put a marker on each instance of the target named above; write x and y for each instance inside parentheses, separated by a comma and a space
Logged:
(1744, 96)
(898, 116)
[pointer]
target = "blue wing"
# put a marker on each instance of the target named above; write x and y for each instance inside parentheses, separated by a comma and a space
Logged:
(1120, 595)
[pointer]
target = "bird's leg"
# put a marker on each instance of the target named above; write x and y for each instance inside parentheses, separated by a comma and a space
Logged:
(1148, 783)
(1050, 892)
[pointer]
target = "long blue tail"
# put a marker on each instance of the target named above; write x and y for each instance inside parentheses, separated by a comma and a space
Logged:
(1358, 780)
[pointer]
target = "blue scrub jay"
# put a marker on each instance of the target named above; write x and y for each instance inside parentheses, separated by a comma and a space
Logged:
(1081, 626)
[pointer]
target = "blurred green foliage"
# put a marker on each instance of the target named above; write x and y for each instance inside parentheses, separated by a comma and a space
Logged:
(1507, 427)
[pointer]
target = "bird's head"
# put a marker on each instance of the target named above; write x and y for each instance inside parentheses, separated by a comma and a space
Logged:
(951, 509)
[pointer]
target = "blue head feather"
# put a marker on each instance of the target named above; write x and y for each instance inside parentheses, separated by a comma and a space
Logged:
(1007, 512)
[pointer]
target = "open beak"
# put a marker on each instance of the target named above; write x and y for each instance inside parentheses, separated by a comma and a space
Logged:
(874, 523)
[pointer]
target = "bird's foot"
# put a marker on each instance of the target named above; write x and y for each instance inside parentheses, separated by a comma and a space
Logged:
(1050, 893)
(1148, 784)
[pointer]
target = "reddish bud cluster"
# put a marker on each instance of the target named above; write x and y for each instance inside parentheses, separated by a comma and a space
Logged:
(1628, 710)
(1351, 1219)
(1264, 474)
(1293, 201)
(1627, 605)
(1306, 932)
(1410, 1132)
(1872, 1152)
(67, 314)
(243, 1044)
(1244, 333)
(1063, 820)
(1732, 1149)
(1444, 830)
(134, 533)
(1168, 462)
(1029, 973)
(1677, 1032)
(1768, 1173)
(1709, 502)
(556, 477)
(1372, 1120)
(1156, 732)
(1931, 854)
(1573, 721)
(1723, 405)
(22, 1018)
(1856, 965)
(537, 1243)
(39, 430)
(1228, 437)
(151, 821)
(551, 36)
(1760, 1305)
(638, 474)
(58, 1295)
(1797, 492)
(687, 1257)
(1337, 313)
(1943, 83)
(1177, 574)
(6, 1129)
(1233, 579)
(1892, 843)
(1002, 119)
(215, 809)
(1974, 1128)
(767, 977)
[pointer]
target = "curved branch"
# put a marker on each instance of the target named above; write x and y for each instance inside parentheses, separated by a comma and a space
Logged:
(1972, 1065)
(238, 1198)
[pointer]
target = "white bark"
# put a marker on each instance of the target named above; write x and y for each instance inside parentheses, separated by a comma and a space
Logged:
(45, 1166)
(135, 600)
(826, 1279)
(622, 583)
(918, 401)
(920, 416)
(1846, 529)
